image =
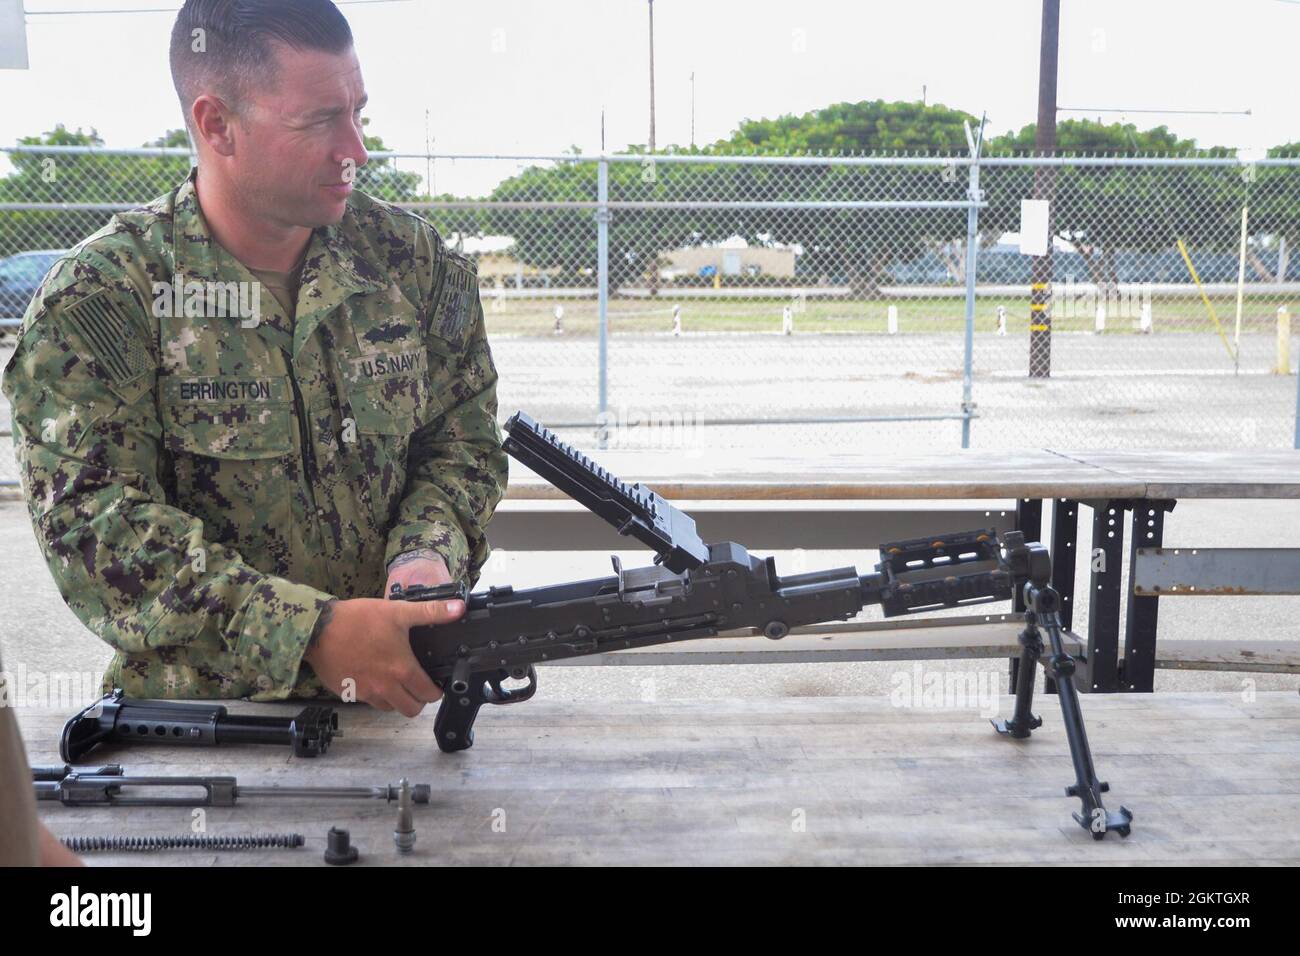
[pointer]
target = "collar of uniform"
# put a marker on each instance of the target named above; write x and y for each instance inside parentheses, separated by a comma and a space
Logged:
(333, 270)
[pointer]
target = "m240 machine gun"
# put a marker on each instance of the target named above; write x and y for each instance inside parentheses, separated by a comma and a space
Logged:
(696, 590)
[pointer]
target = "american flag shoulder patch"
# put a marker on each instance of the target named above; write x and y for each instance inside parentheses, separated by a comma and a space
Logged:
(112, 338)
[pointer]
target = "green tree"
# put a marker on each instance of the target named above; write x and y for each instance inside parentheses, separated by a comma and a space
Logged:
(845, 244)
(108, 182)
(1102, 209)
(1274, 197)
(105, 183)
(380, 176)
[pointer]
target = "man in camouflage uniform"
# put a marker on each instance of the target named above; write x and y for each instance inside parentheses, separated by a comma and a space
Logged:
(224, 482)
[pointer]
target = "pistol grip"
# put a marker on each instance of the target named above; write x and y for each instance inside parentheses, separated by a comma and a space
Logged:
(453, 727)
(464, 693)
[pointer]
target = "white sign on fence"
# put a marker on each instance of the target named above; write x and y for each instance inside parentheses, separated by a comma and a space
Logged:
(1033, 227)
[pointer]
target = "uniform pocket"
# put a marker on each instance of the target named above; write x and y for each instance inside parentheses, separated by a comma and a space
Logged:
(233, 460)
(386, 415)
(238, 419)
(235, 432)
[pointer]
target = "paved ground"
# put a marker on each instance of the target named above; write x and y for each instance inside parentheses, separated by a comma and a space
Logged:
(1172, 391)
(1111, 391)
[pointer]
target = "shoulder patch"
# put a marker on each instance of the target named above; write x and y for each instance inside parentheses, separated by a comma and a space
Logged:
(459, 290)
(111, 337)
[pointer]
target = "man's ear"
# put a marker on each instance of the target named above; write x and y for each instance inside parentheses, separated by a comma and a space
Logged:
(214, 123)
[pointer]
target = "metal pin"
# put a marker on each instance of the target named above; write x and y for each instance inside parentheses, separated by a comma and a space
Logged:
(404, 835)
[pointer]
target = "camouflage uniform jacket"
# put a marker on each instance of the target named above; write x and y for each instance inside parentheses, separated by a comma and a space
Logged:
(202, 481)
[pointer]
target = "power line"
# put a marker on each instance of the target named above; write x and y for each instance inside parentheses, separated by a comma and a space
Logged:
(1085, 109)
(77, 13)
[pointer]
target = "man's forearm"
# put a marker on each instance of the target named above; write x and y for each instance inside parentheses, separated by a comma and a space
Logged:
(419, 554)
(322, 622)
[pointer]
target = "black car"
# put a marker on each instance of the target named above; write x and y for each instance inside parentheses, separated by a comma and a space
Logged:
(20, 277)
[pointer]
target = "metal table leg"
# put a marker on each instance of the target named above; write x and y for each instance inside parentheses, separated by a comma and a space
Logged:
(1137, 671)
(1105, 592)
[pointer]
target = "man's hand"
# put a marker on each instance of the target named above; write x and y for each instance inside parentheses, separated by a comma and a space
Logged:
(368, 641)
(424, 566)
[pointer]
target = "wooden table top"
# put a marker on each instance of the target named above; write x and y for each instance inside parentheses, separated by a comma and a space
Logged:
(1209, 777)
(1027, 473)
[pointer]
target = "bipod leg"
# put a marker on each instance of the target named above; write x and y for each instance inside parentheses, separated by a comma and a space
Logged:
(1095, 818)
(1022, 722)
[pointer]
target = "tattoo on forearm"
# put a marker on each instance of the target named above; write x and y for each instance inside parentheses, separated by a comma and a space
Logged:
(420, 554)
(322, 622)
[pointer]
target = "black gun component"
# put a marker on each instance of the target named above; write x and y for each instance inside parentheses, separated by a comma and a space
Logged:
(112, 786)
(1043, 605)
(696, 591)
(692, 591)
(121, 720)
(181, 841)
(632, 509)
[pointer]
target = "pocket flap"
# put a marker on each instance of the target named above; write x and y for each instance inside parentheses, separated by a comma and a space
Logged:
(390, 407)
(236, 430)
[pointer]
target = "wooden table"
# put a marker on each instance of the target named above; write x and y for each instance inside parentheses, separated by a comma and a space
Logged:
(1028, 473)
(1211, 779)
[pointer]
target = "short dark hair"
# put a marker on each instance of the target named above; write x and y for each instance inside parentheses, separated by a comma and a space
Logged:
(236, 55)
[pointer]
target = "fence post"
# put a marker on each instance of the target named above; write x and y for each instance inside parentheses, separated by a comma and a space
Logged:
(972, 247)
(602, 294)
(1284, 320)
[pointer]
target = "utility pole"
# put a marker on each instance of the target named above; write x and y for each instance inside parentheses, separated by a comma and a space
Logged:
(652, 75)
(1040, 295)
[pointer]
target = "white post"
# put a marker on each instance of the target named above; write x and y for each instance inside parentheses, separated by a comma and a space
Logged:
(787, 320)
(498, 295)
(891, 320)
(1100, 325)
(1144, 323)
(559, 320)
(1002, 320)
(1241, 288)
(677, 320)
(1283, 366)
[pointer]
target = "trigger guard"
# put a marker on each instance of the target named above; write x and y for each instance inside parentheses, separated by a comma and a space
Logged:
(496, 694)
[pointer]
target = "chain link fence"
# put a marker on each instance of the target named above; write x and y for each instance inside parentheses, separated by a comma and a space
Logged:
(787, 302)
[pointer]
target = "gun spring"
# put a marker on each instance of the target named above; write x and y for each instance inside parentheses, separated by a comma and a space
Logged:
(86, 844)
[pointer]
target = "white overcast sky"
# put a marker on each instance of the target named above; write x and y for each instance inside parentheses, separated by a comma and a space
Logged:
(508, 77)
